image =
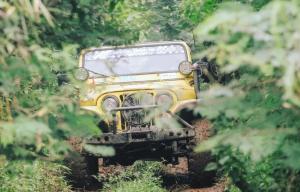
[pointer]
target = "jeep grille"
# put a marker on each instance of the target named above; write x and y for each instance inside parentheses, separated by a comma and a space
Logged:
(136, 118)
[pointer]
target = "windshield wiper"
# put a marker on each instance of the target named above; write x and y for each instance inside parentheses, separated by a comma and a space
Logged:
(96, 73)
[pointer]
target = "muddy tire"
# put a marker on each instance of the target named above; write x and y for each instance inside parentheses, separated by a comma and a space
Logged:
(197, 162)
(83, 169)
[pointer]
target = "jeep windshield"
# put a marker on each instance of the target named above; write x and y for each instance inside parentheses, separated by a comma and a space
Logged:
(134, 60)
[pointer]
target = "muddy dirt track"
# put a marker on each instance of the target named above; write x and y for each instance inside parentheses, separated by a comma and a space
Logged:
(175, 177)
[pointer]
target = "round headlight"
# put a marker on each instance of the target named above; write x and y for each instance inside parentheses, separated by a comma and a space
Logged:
(81, 74)
(164, 100)
(110, 103)
(185, 68)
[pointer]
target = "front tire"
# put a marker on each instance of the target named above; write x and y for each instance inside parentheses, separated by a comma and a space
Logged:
(197, 162)
(83, 169)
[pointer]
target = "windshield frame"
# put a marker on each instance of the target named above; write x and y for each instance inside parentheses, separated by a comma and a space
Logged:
(182, 44)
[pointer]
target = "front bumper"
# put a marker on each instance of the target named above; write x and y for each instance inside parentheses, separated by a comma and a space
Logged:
(166, 145)
(150, 135)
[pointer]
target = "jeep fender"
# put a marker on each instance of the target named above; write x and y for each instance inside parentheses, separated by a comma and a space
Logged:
(185, 110)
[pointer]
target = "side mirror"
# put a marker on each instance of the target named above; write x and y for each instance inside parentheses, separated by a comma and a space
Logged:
(186, 68)
(199, 64)
(198, 67)
(81, 74)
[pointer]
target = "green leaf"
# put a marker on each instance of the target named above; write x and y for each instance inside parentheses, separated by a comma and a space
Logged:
(253, 142)
(104, 151)
(211, 166)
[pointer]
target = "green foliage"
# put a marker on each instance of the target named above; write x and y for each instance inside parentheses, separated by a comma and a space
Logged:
(151, 20)
(244, 119)
(32, 176)
(233, 188)
(36, 109)
(142, 176)
(86, 23)
(197, 10)
(255, 115)
(262, 42)
(105, 151)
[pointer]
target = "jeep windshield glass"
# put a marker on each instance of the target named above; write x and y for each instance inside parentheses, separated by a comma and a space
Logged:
(135, 60)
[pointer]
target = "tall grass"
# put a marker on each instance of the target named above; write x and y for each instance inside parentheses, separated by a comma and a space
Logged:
(142, 176)
(37, 176)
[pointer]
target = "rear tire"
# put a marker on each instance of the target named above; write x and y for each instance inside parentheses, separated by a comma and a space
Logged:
(197, 162)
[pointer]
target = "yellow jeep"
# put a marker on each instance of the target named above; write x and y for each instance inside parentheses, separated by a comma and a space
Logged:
(144, 95)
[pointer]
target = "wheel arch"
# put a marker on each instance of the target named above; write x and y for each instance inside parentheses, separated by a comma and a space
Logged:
(185, 110)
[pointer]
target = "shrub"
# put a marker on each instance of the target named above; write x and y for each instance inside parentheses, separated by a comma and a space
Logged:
(38, 176)
(142, 176)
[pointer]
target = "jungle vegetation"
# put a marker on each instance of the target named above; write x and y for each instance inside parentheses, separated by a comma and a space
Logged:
(255, 114)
